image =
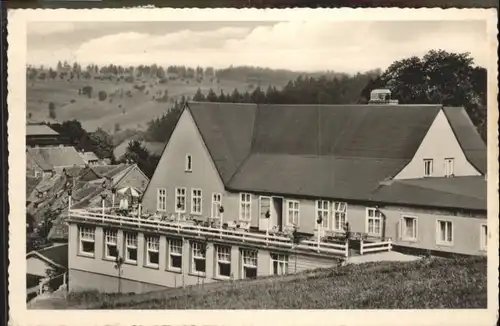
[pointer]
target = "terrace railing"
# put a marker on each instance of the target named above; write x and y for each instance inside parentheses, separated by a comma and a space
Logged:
(371, 247)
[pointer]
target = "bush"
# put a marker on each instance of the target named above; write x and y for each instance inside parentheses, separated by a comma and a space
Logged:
(87, 90)
(102, 95)
(73, 100)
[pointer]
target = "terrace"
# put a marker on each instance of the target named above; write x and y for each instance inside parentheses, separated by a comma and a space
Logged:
(325, 242)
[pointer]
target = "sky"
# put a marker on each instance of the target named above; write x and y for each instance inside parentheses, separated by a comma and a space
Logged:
(348, 47)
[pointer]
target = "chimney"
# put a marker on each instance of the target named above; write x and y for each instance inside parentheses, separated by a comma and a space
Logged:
(381, 96)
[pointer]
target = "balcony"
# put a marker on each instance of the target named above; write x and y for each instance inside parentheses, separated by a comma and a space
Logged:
(326, 243)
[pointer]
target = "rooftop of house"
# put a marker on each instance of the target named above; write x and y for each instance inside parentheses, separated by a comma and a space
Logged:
(333, 151)
(89, 156)
(56, 255)
(51, 157)
(31, 183)
(40, 130)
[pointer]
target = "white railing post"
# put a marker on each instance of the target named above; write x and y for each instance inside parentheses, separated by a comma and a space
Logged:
(221, 222)
(69, 203)
(103, 209)
(347, 248)
(319, 235)
(361, 246)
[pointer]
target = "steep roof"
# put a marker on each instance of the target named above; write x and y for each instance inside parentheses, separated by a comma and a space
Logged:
(31, 183)
(56, 255)
(40, 130)
(335, 151)
(56, 156)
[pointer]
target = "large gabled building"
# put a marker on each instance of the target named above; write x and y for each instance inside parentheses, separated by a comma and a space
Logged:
(414, 174)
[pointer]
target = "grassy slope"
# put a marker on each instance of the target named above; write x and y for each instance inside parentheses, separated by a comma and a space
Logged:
(92, 113)
(435, 283)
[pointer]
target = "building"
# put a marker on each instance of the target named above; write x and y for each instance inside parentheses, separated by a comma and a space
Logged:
(41, 161)
(410, 177)
(90, 158)
(42, 135)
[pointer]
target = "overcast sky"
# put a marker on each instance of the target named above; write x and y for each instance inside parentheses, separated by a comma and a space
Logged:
(306, 46)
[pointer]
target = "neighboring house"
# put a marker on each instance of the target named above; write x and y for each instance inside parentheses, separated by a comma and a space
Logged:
(42, 135)
(50, 263)
(41, 161)
(413, 173)
(90, 158)
(31, 183)
(153, 148)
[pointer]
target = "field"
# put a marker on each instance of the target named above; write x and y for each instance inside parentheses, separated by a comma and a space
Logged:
(128, 111)
(427, 283)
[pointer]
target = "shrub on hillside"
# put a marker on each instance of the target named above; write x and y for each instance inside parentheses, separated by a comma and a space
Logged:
(102, 95)
(129, 79)
(87, 90)
(73, 100)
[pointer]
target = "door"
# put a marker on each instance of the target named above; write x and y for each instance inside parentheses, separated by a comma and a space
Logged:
(264, 207)
(278, 212)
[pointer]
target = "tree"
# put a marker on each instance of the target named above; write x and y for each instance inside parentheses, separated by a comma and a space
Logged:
(102, 95)
(199, 97)
(211, 96)
(52, 110)
(87, 90)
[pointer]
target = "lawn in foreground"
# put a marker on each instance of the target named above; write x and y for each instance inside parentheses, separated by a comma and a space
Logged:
(427, 283)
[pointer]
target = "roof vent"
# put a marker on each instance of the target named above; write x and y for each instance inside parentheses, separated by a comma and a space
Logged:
(381, 96)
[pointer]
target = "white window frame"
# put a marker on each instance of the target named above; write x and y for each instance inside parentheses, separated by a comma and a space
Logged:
(339, 212)
(402, 228)
(282, 261)
(483, 238)
(161, 199)
(291, 211)
(249, 259)
(130, 243)
(245, 213)
(431, 167)
(152, 245)
(374, 217)
(110, 240)
(439, 241)
(175, 248)
(86, 234)
(222, 256)
(189, 163)
(180, 192)
(198, 253)
(196, 198)
(449, 166)
(216, 204)
(325, 214)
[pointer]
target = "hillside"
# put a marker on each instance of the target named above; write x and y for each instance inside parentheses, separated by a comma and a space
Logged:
(428, 283)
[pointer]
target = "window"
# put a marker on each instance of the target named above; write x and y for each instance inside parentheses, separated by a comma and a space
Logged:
(189, 163)
(427, 167)
(445, 232)
(374, 221)
(199, 258)
(484, 237)
(339, 215)
(216, 204)
(322, 210)
(279, 264)
(161, 200)
(223, 260)
(408, 228)
(131, 248)
(87, 241)
(245, 207)
(292, 212)
(249, 263)
(175, 254)
(449, 167)
(180, 200)
(152, 251)
(110, 244)
(196, 201)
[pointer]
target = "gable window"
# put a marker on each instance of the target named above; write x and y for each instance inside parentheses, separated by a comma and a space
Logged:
(408, 228)
(198, 253)
(444, 232)
(175, 254)
(279, 264)
(245, 207)
(484, 237)
(374, 221)
(131, 248)
(110, 244)
(196, 198)
(223, 260)
(152, 251)
(189, 163)
(87, 241)
(180, 200)
(449, 167)
(161, 200)
(428, 167)
(322, 211)
(339, 215)
(292, 212)
(216, 204)
(249, 263)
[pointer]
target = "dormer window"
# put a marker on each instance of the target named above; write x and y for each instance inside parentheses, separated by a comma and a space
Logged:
(189, 163)
(428, 167)
(449, 167)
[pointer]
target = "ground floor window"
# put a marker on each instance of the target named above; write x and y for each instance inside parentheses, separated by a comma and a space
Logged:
(408, 228)
(279, 264)
(198, 253)
(223, 261)
(87, 241)
(374, 221)
(249, 263)
(110, 244)
(152, 251)
(444, 232)
(131, 248)
(175, 254)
